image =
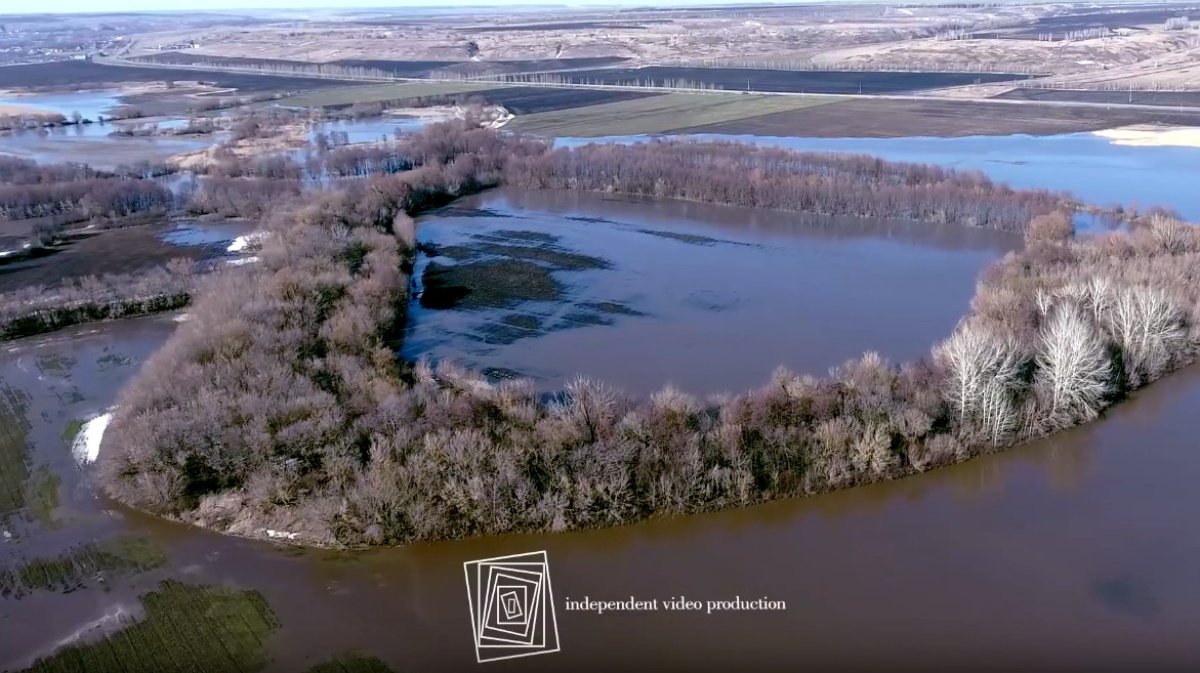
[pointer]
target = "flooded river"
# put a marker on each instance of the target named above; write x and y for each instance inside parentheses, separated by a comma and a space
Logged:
(1076, 552)
(1072, 552)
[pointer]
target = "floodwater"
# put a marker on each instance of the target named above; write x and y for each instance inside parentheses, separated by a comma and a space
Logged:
(1094, 169)
(89, 104)
(710, 299)
(92, 144)
(1073, 553)
(371, 129)
(1077, 552)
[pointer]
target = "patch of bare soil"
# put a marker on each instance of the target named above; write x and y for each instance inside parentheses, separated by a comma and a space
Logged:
(95, 254)
(885, 118)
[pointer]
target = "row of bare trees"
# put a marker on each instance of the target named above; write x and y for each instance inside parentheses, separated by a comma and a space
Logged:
(745, 175)
(297, 416)
(35, 309)
(85, 198)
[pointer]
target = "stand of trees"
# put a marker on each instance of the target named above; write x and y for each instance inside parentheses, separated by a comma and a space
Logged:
(35, 309)
(31, 190)
(297, 416)
(743, 175)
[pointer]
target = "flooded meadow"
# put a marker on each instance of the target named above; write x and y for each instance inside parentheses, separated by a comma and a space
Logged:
(642, 293)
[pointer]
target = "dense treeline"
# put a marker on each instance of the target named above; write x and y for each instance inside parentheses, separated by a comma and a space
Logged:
(298, 417)
(32, 190)
(745, 175)
(97, 197)
(240, 196)
(312, 321)
(35, 309)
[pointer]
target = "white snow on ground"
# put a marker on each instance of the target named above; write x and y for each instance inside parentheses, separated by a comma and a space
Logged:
(282, 534)
(1146, 135)
(242, 260)
(86, 446)
(247, 241)
(501, 120)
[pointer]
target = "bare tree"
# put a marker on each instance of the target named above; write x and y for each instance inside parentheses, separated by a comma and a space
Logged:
(985, 372)
(1074, 368)
(1149, 327)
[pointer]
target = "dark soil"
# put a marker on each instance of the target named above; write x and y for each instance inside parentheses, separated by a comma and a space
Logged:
(423, 68)
(80, 74)
(880, 118)
(95, 254)
(563, 25)
(1163, 98)
(791, 81)
(533, 99)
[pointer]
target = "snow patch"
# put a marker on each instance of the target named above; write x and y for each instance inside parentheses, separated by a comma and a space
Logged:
(247, 241)
(1145, 135)
(282, 534)
(243, 260)
(86, 446)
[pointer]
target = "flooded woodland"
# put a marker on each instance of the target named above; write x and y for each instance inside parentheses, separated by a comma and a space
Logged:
(1071, 551)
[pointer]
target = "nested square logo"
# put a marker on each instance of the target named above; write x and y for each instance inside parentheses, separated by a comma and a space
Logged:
(512, 606)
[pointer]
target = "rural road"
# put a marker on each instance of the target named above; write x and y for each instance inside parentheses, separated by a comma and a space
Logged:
(909, 96)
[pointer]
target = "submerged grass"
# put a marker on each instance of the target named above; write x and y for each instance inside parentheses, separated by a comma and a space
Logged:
(186, 628)
(488, 284)
(83, 565)
(56, 364)
(14, 450)
(43, 497)
(74, 426)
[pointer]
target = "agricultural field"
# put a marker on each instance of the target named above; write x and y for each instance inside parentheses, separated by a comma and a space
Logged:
(786, 81)
(659, 114)
(80, 74)
(880, 118)
(373, 93)
(468, 67)
(1163, 98)
(527, 100)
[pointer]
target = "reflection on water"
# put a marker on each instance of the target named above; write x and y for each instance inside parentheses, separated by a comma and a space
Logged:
(709, 298)
(367, 130)
(216, 235)
(92, 144)
(1088, 166)
(89, 104)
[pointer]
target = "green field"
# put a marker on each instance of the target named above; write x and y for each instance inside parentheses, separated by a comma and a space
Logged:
(371, 93)
(659, 114)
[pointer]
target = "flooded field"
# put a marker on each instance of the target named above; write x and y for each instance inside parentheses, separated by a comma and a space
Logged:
(1071, 548)
(91, 144)
(1094, 169)
(368, 130)
(90, 104)
(548, 285)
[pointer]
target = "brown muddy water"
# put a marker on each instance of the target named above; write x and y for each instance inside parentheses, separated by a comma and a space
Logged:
(1074, 553)
(641, 293)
